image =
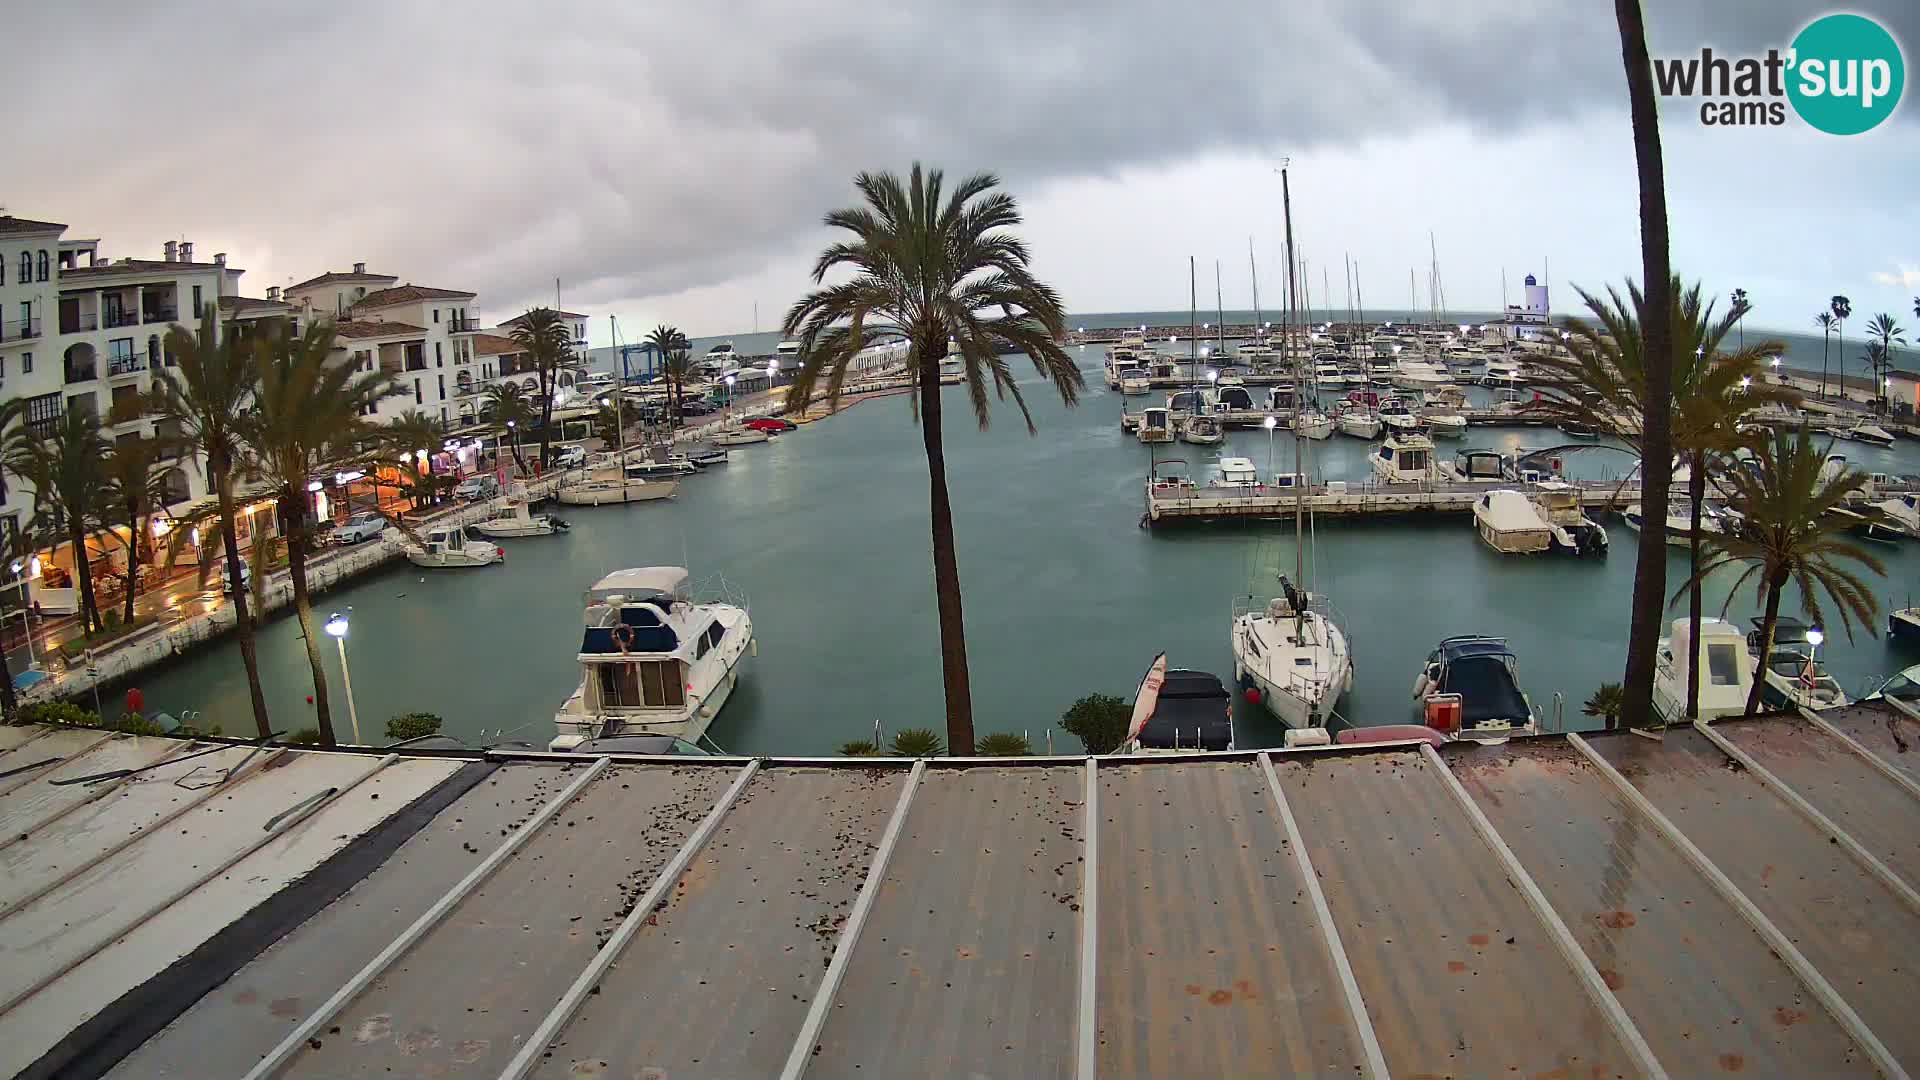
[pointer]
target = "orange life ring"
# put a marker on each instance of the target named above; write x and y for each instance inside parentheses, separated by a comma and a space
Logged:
(623, 637)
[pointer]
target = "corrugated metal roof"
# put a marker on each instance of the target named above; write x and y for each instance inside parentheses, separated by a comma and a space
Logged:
(1730, 900)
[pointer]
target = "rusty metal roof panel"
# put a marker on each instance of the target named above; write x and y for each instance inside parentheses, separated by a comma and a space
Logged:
(1884, 732)
(1459, 975)
(718, 981)
(1700, 984)
(1211, 960)
(967, 962)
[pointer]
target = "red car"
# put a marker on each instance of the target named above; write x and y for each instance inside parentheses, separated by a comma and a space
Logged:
(772, 425)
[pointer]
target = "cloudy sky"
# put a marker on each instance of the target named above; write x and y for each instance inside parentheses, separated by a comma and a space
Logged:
(672, 162)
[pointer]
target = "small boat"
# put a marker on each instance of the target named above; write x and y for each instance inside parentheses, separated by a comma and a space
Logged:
(707, 458)
(1795, 678)
(1503, 373)
(739, 437)
(1403, 459)
(513, 518)
(1714, 521)
(1156, 426)
(1398, 417)
(1178, 709)
(1412, 374)
(1238, 472)
(1904, 512)
(1726, 671)
(1359, 422)
(1903, 625)
(1558, 504)
(1509, 523)
(1311, 423)
(1574, 430)
(1862, 431)
(607, 486)
(1468, 689)
(1135, 381)
(653, 661)
(677, 465)
(1201, 430)
(448, 548)
(1475, 467)
(1903, 686)
(1293, 655)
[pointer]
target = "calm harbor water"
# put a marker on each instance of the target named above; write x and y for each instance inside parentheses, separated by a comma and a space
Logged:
(825, 531)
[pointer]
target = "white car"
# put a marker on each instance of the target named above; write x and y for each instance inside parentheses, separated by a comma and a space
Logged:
(572, 456)
(476, 488)
(365, 525)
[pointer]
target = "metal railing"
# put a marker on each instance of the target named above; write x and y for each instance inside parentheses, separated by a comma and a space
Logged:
(19, 329)
(82, 373)
(164, 314)
(123, 318)
(125, 365)
(462, 324)
(74, 324)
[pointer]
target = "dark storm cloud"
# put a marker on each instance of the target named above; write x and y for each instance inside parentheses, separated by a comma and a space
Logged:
(635, 152)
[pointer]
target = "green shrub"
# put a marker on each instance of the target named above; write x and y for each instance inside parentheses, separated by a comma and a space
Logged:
(134, 724)
(917, 742)
(1606, 703)
(58, 712)
(1002, 744)
(859, 748)
(306, 736)
(1099, 721)
(413, 725)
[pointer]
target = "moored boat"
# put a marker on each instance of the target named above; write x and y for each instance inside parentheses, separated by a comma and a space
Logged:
(1403, 459)
(1292, 654)
(743, 436)
(609, 485)
(1156, 426)
(447, 548)
(1469, 689)
(1794, 676)
(1509, 523)
(1726, 671)
(1179, 710)
(514, 518)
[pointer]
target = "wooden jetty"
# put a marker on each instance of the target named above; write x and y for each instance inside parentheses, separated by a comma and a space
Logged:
(1170, 499)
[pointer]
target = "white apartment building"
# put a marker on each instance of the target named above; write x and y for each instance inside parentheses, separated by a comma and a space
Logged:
(423, 336)
(29, 292)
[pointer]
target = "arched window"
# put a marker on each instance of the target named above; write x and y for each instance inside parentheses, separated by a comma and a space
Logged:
(44, 266)
(26, 267)
(532, 385)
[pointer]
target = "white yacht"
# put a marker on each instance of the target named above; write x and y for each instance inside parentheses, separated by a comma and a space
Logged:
(1135, 381)
(1201, 430)
(671, 465)
(653, 661)
(1156, 426)
(1395, 414)
(1238, 472)
(1573, 531)
(1311, 423)
(739, 436)
(1726, 671)
(608, 484)
(1416, 374)
(448, 548)
(1444, 411)
(1509, 523)
(1905, 512)
(1714, 521)
(1403, 459)
(515, 518)
(1504, 373)
(1795, 677)
(1294, 654)
(1358, 421)
(1862, 431)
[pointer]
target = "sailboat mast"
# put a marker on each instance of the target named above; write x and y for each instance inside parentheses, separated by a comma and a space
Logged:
(1361, 303)
(1299, 491)
(1254, 268)
(1219, 312)
(1193, 323)
(619, 413)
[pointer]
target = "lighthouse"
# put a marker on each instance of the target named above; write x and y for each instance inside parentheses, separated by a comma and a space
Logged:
(1536, 299)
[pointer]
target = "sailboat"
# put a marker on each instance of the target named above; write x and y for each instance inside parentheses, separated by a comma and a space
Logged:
(1290, 652)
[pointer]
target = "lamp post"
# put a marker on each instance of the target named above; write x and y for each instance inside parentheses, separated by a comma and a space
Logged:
(337, 627)
(729, 393)
(1270, 423)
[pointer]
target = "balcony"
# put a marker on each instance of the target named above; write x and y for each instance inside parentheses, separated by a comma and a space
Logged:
(77, 322)
(463, 324)
(122, 318)
(161, 314)
(125, 365)
(79, 373)
(20, 330)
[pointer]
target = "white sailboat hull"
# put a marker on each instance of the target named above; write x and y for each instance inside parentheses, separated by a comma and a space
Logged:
(1361, 427)
(604, 493)
(1299, 696)
(510, 529)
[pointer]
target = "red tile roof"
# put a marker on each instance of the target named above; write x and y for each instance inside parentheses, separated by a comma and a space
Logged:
(365, 328)
(408, 294)
(333, 277)
(495, 345)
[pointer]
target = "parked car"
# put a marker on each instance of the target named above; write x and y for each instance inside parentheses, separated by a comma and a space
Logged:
(698, 407)
(771, 424)
(365, 525)
(226, 579)
(477, 488)
(572, 456)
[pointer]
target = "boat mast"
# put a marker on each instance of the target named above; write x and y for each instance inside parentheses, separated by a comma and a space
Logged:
(1299, 491)
(1254, 268)
(1219, 312)
(1361, 304)
(619, 415)
(1193, 325)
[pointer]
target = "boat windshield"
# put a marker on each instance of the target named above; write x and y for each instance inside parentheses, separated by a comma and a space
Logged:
(1723, 664)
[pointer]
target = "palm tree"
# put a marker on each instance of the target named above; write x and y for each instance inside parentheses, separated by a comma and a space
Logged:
(544, 337)
(1885, 333)
(677, 367)
(666, 340)
(927, 270)
(1790, 534)
(1650, 571)
(62, 463)
(506, 404)
(415, 436)
(1841, 308)
(1824, 321)
(204, 398)
(308, 421)
(1739, 307)
(134, 472)
(607, 425)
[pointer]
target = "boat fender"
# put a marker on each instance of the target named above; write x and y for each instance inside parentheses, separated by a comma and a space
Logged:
(1420, 685)
(623, 637)
(1253, 695)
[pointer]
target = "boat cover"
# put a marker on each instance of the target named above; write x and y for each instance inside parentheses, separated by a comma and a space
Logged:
(1478, 672)
(1195, 708)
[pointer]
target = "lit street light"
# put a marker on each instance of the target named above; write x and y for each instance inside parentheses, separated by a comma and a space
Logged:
(337, 627)
(1270, 423)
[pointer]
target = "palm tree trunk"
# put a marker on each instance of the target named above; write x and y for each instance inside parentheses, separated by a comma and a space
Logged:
(9, 703)
(1826, 341)
(546, 415)
(83, 571)
(133, 560)
(1775, 585)
(293, 511)
(1697, 492)
(946, 566)
(1656, 459)
(243, 620)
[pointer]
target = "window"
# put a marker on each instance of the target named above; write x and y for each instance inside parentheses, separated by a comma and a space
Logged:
(26, 267)
(436, 318)
(26, 318)
(43, 411)
(443, 385)
(44, 266)
(640, 684)
(199, 309)
(436, 354)
(1723, 669)
(417, 399)
(26, 363)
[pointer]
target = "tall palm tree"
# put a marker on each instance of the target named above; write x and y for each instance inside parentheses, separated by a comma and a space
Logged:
(677, 368)
(929, 269)
(414, 435)
(1739, 307)
(204, 397)
(1885, 333)
(1650, 570)
(506, 404)
(307, 421)
(1790, 534)
(1824, 321)
(134, 472)
(1841, 308)
(666, 340)
(63, 465)
(544, 337)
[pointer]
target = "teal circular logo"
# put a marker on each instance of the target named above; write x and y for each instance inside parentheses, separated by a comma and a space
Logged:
(1847, 74)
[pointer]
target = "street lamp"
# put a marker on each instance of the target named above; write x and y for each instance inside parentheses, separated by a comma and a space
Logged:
(1270, 423)
(729, 392)
(337, 627)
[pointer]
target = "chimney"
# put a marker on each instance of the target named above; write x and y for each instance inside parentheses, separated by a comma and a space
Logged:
(172, 251)
(359, 268)
(186, 251)
(219, 258)
(273, 293)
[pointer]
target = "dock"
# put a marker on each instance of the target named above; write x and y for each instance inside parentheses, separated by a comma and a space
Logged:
(1179, 501)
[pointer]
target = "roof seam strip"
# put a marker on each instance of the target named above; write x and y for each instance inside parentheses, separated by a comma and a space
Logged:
(98, 792)
(1349, 986)
(1086, 1024)
(816, 1019)
(32, 772)
(428, 919)
(596, 969)
(1879, 764)
(1770, 934)
(1812, 813)
(1576, 957)
(250, 767)
(304, 809)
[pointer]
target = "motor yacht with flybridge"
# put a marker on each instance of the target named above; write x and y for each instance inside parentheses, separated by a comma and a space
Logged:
(653, 660)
